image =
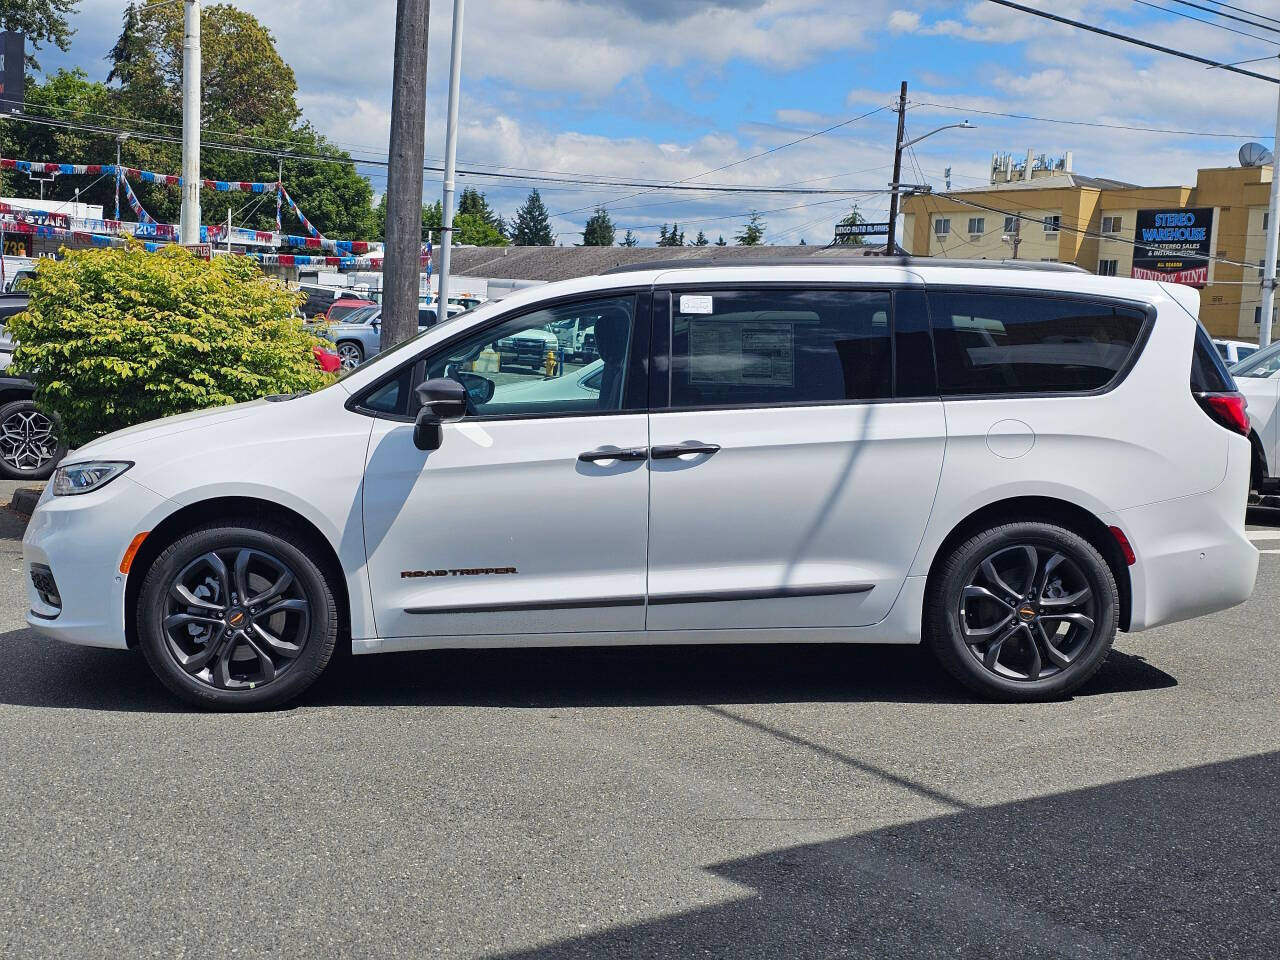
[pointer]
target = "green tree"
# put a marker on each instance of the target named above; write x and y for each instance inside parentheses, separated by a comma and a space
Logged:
(473, 203)
(475, 230)
(701, 240)
(532, 225)
(673, 239)
(248, 97)
(67, 95)
(599, 231)
(629, 240)
(117, 337)
(720, 242)
(43, 21)
(855, 216)
(752, 231)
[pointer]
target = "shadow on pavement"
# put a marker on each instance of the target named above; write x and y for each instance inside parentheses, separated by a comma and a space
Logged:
(1176, 865)
(40, 672)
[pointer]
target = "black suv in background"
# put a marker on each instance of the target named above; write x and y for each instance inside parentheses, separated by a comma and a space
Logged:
(31, 441)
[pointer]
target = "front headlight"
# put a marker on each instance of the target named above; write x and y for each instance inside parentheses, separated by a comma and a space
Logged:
(77, 478)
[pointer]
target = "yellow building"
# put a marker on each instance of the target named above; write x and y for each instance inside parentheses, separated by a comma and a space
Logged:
(1053, 214)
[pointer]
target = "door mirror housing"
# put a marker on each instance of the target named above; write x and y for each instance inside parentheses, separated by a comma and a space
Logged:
(443, 401)
(479, 389)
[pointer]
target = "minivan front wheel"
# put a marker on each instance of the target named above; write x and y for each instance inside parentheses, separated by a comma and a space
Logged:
(1023, 611)
(236, 617)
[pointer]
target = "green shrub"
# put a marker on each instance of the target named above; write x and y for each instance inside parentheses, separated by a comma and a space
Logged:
(117, 337)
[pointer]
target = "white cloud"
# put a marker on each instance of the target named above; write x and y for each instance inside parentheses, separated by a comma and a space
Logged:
(904, 21)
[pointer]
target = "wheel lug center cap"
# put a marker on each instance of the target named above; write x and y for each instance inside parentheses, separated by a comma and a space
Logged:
(1027, 612)
(237, 618)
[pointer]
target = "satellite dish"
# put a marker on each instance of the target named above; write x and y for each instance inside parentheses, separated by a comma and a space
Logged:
(1254, 155)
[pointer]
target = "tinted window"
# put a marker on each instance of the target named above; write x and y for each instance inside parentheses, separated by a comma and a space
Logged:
(532, 364)
(996, 343)
(913, 346)
(768, 347)
(1208, 372)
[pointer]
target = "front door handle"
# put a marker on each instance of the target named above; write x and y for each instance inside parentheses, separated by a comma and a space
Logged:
(684, 450)
(613, 453)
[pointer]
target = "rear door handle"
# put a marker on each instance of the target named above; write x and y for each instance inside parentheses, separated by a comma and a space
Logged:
(613, 453)
(684, 450)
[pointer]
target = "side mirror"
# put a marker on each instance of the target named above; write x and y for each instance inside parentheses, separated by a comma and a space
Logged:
(443, 401)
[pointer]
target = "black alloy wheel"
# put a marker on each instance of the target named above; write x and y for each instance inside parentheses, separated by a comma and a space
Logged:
(236, 617)
(1027, 612)
(31, 441)
(1024, 611)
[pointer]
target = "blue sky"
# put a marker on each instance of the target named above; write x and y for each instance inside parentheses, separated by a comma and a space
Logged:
(668, 89)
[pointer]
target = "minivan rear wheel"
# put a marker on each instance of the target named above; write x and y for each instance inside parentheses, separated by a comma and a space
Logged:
(236, 616)
(1023, 611)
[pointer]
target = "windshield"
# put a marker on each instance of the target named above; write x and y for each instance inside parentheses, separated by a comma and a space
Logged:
(1264, 363)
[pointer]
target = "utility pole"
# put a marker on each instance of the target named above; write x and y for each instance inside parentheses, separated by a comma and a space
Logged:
(189, 219)
(1015, 239)
(891, 246)
(120, 139)
(402, 263)
(450, 158)
(1273, 241)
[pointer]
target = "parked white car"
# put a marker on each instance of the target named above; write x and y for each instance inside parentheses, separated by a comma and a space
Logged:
(1010, 463)
(1258, 378)
(1234, 351)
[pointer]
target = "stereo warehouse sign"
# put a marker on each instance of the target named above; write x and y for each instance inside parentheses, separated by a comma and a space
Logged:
(1173, 245)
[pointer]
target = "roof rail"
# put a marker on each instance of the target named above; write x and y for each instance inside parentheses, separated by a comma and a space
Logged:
(698, 263)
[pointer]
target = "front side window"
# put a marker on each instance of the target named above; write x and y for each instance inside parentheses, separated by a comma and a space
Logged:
(535, 364)
(771, 347)
(1006, 344)
(1261, 363)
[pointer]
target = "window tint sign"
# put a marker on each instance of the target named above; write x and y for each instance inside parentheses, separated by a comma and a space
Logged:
(1173, 245)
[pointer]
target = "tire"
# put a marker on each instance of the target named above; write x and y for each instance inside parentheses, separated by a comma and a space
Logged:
(351, 354)
(1014, 633)
(229, 668)
(31, 441)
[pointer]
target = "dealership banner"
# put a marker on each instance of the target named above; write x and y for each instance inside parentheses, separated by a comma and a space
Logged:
(1173, 245)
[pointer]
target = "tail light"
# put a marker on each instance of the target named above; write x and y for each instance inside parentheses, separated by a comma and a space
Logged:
(1228, 409)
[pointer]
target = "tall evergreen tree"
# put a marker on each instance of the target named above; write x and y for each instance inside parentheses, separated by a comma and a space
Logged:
(674, 238)
(855, 216)
(629, 240)
(752, 234)
(473, 203)
(532, 224)
(720, 242)
(599, 231)
(701, 240)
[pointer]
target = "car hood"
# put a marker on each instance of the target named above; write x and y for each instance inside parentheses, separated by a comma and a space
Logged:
(116, 444)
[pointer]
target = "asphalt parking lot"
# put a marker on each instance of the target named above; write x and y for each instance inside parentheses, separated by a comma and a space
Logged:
(721, 802)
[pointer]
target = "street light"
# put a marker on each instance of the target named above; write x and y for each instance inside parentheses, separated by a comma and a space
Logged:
(899, 146)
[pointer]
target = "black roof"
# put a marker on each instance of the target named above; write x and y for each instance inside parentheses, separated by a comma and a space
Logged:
(713, 261)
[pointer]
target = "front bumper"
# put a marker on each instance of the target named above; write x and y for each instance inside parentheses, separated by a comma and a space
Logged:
(81, 540)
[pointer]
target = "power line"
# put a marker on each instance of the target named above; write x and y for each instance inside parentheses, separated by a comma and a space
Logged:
(1044, 14)
(1250, 13)
(1227, 16)
(1220, 26)
(754, 156)
(1094, 123)
(649, 186)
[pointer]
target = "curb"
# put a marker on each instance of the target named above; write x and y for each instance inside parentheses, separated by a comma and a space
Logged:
(25, 499)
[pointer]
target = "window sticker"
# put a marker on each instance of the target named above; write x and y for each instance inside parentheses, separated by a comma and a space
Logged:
(690, 303)
(742, 352)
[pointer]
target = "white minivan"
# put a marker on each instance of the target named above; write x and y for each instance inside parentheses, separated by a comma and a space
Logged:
(1008, 461)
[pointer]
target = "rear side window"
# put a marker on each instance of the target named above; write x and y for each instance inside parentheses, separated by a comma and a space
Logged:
(1208, 372)
(771, 347)
(989, 343)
